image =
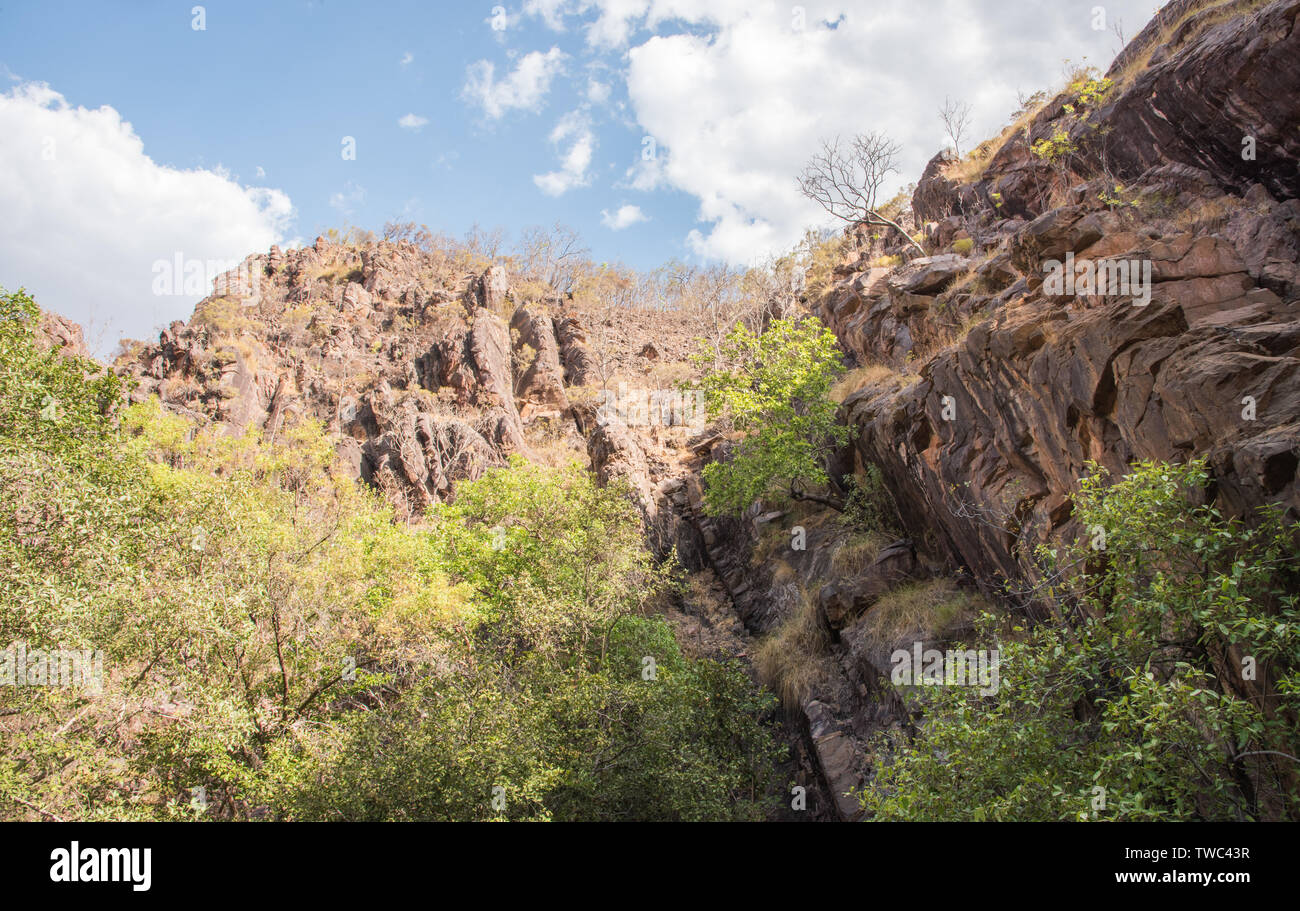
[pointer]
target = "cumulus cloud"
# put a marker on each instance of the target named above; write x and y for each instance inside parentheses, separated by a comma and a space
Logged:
(552, 12)
(407, 59)
(625, 217)
(573, 130)
(412, 122)
(87, 215)
(523, 88)
(736, 94)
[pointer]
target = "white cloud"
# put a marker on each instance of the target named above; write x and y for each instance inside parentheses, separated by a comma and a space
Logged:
(346, 201)
(625, 217)
(412, 122)
(647, 174)
(552, 12)
(612, 28)
(575, 129)
(597, 92)
(261, 172)
(738, 100)
(614, 21)
(523, 88)
(87, 214)
(407, 59)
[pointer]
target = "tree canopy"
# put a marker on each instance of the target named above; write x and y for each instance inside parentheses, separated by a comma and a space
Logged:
(773, 387)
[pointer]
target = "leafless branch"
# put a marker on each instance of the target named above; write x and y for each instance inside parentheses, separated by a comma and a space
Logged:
(956, 119)
(845, 179)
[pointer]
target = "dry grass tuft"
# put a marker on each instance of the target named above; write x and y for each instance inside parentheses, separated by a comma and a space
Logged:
(858, 552)
(932, 606)
(555, 449)
(859, 377)
(794, 660)
(1206, 216)
(783, 574)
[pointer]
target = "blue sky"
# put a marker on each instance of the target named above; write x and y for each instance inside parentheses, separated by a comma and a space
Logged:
(277, 86)
(128, 136)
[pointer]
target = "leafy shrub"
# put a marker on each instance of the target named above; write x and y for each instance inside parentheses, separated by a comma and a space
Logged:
(869, 504)
(775, 388)
(1172, 693)
(276, 646)
(1055, 148)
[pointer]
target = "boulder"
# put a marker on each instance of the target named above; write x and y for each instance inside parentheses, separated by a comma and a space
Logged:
(842, 601)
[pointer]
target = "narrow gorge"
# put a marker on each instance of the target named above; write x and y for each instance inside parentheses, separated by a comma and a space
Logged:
(977, 392)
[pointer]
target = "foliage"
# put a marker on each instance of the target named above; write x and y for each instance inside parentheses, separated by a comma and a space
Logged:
(1143, 707)
(869, 504)
(1119, 197)
(275, 646)
(1056, 147)
(774, 387)
(1088, 90)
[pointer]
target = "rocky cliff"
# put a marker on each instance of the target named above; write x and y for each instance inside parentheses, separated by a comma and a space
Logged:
(983, 385)
(998, 387)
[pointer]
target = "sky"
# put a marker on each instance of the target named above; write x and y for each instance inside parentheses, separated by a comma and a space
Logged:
(143, 133)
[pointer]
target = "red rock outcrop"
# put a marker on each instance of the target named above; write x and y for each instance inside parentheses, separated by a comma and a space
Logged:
(995, 389)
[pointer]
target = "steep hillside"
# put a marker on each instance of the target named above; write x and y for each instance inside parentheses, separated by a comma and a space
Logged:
(1139, 167)
(989, 375)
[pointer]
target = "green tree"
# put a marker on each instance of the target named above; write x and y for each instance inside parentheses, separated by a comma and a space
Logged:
(774, 388)
(276, 646)
(1141, 707)
(565, 699)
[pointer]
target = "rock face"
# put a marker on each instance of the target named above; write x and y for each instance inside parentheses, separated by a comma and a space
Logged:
(989, 382)
(1214, 89)
(415, 455)
(616, 455)
(845, 600)
(996, 387)
(61, 334)
(579, 364)
(1011, 413)
(542, 385)
(410, 365)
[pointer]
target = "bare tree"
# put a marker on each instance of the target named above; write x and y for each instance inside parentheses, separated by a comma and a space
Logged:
(956, 119)
(846, 181)
(719, 302)
(411, 233)
(1117, 29)
(553, 256)
(483, 242)
(777, 283)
